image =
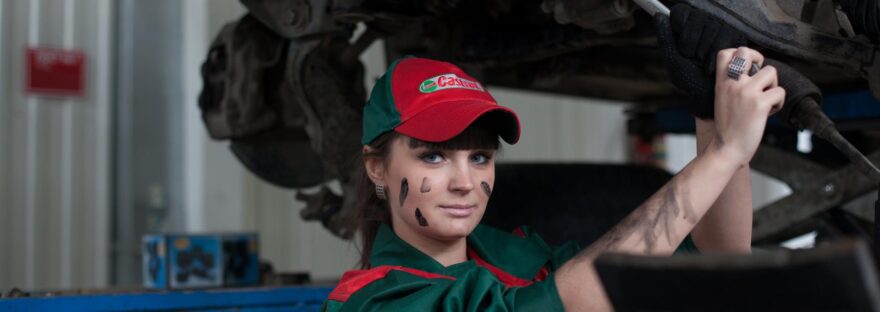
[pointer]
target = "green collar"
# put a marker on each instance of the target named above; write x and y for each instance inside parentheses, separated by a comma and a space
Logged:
(522, 257)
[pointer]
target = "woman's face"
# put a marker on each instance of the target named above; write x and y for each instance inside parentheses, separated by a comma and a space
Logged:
(437, 194)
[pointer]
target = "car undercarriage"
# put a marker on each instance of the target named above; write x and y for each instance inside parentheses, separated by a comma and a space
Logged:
(285, 86)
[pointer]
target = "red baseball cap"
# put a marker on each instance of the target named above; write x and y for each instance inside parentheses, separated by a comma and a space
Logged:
(431, 101)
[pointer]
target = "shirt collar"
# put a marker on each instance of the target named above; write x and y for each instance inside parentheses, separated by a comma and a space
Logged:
(519, 256)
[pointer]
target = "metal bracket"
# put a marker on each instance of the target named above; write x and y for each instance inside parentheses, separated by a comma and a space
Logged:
(815, 189)
(767, 24)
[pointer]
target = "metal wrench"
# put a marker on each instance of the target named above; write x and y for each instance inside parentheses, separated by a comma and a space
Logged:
(654, 7)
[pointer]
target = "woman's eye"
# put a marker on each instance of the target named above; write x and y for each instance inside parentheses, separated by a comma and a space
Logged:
(432, 158)
(480, 158)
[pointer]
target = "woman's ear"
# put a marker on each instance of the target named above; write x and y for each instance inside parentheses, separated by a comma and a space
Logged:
(374, 166)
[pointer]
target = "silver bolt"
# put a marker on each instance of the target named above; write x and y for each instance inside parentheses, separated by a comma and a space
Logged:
(828, 188)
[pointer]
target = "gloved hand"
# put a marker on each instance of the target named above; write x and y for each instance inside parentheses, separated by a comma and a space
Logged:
(797, 87)
(690, 40)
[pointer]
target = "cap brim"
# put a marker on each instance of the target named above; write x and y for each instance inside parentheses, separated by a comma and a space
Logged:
(443, 121)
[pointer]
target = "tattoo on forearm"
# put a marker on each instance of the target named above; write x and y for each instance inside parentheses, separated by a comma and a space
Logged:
(404, 189)
(613, 237)
(652, 219)
(420, 218)
(672, 204)
(426, 185)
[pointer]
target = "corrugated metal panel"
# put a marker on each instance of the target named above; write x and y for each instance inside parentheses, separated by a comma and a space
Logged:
(54, 153)
(148, 172)
(5, 213)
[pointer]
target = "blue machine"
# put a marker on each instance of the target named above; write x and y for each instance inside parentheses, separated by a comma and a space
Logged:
(857, 107)
(240, 299)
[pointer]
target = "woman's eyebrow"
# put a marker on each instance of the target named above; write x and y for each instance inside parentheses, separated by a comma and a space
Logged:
(420, 148)
(484, 150)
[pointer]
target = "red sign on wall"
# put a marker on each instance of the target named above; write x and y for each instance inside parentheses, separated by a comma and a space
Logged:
(55, 72)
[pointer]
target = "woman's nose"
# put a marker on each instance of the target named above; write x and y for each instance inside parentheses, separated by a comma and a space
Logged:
(461, 181)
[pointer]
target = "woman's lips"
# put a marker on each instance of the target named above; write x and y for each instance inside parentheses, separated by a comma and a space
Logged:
(459, 210)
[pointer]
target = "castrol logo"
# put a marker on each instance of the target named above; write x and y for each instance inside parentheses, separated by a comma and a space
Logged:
(448, 81)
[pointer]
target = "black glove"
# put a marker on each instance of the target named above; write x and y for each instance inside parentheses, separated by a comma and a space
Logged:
(797, 88)
(690, 40)
(864, 15)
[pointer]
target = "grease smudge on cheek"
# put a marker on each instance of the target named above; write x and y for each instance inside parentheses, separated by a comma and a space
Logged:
(404, 189)
(486, 188)
(420, 218)
(426, 185)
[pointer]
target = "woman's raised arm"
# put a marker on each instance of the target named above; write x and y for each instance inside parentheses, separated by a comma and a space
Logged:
(659, 225)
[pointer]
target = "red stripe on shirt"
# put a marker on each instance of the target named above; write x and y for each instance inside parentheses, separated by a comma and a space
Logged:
(354, 280)
(504, 277)
(542, 274)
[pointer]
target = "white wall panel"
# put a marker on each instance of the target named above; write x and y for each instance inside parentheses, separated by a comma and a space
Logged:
(5, 215)
(53, 151)
(563, 128)
(214, 177)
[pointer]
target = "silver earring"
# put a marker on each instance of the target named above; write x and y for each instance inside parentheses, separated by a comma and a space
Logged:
(380, 192)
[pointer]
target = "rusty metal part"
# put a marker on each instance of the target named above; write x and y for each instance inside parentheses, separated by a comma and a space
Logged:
(332, 97)
(653, 7)
(327, 81)
(506, 50)
(815, 189)
(330, 209)
(301, 127)
(603, 16)
(767, 24)
(281, 156)
(600, 72)
(295, 18)
(240, 75)
(515, 44)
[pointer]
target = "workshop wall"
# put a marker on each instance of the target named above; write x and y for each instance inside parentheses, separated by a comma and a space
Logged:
(54, 151)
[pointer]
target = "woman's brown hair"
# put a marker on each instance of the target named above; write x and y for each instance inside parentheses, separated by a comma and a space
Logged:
(372, 212)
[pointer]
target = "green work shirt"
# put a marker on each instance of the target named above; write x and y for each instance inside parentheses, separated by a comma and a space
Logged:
(504, 272)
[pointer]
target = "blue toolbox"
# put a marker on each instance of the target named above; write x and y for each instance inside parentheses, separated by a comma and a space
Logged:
(179, 261)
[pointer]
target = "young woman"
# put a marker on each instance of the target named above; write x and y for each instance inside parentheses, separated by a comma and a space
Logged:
(430, 136)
